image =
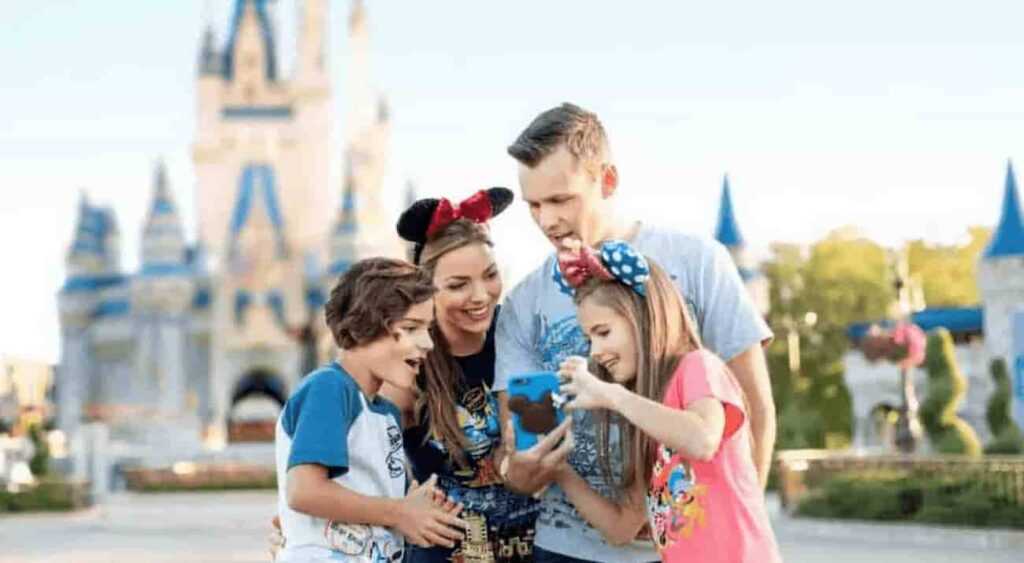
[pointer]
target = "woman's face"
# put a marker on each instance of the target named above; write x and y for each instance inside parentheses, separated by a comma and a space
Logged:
(612, 343)
(468, 288)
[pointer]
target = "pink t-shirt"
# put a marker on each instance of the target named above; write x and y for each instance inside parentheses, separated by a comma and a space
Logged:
(709, 511)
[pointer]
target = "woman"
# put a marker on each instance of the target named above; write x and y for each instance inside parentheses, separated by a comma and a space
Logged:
(452, 424)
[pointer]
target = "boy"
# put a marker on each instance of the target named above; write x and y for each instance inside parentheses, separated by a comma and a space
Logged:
(340, 465)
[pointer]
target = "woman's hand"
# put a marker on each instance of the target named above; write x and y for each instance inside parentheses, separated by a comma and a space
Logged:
(276, 538)
(587, 392)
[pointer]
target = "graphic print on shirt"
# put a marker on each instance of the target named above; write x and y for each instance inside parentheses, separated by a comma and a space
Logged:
(358, 541)
(396, 457)
(675, 506)
(477, 417)
(558, 340)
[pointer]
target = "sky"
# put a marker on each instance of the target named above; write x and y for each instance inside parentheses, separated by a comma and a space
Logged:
(897, 118)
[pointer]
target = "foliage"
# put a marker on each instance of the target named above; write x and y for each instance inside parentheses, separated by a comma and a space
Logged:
(843, 279)
(1007, 437)
(915, 497)
(948, 272)
(39, 464)
(947, 432)
(45, 496)
(269, 482)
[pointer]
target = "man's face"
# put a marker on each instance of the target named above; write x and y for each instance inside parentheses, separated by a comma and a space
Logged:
(568, 201)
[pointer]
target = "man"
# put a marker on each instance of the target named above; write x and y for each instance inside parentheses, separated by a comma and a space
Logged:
(568, 177)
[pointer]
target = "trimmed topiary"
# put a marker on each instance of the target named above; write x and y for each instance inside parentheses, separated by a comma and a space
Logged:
(947, 432)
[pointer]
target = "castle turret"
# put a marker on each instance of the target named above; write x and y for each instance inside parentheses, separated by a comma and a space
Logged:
(343, 236)
(209, 63)
(1001, 272)
(162, 295)
(311, 59)
(163, 243)
(727, 232)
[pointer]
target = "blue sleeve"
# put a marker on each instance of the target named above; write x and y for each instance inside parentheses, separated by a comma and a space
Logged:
(729, 321)
(515, 342)
(317, 419)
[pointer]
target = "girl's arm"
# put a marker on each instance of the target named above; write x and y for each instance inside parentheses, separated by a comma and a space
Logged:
(618, 523)
(696, 432)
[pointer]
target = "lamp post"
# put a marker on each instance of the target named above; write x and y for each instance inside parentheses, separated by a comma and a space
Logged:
(908, 426)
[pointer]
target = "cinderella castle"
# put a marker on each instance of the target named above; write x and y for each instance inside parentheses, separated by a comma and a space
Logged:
(163, 355)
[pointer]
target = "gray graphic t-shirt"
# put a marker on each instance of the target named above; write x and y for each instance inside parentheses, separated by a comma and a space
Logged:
(537, 330)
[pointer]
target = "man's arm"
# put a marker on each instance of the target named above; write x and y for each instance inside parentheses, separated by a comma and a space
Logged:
(751, 372)
(530, 471)
(734, 330)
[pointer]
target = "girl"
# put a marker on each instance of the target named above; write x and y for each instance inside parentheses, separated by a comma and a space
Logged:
(452, 425)
(686, 446)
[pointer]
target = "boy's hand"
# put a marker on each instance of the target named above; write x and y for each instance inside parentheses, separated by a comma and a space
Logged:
(428, 517)
(587, 391)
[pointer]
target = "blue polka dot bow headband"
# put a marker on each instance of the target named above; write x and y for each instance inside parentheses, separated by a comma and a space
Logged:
(614, 260)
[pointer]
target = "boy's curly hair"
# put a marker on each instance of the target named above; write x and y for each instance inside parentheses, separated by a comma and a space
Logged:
(372, 294)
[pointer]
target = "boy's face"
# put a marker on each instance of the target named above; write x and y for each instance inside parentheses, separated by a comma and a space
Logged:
(612, 343)
(398, 355)
(567, 200)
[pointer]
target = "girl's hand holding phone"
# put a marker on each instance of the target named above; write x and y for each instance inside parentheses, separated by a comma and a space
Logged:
(586, 390)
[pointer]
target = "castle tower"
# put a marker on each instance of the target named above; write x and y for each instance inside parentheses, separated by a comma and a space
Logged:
(727, 232)
(262, 159)
(161, 298)
(367, 133)
(1001, 273)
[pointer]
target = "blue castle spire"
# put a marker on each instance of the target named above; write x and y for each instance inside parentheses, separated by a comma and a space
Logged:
(1008, 240)
(728, 231)
(266, 32)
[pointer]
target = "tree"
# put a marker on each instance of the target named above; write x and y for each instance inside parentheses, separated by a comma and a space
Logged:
(948, 273)
(842, 279)
(947, 386)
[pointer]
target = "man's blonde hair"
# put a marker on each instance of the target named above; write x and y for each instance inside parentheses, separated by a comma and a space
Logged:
(568, 124)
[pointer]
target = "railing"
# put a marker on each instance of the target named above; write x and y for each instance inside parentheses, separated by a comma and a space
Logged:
(801, 471)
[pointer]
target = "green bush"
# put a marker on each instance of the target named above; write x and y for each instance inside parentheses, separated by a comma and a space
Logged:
(913, 497)
(213, 485)
(39, 465)
(946, 388)
(1006, 436)
(46, 496)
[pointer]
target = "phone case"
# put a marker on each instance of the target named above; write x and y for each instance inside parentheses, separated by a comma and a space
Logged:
(531, 401)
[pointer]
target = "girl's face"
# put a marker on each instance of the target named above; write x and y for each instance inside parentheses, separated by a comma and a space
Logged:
(612, 343)
(468, 289)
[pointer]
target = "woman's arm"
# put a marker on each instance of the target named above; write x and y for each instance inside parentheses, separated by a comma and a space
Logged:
(618, 523)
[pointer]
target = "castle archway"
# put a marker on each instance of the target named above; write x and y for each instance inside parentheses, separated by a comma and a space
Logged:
(256, 402)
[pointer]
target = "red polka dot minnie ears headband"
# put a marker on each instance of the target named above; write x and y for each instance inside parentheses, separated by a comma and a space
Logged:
(425, 217)
(614, 260)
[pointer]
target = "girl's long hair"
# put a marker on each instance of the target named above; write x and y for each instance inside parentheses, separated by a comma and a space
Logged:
(440, 385)
(663, 333)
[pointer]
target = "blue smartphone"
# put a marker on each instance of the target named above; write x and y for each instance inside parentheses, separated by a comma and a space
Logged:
(533, 401)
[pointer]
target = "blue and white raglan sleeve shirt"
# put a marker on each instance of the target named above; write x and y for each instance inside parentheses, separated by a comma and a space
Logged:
(329, 422)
